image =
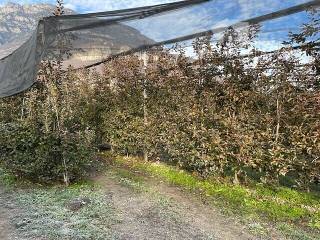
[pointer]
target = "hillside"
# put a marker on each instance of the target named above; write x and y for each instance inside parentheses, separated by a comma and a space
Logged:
(17, 22)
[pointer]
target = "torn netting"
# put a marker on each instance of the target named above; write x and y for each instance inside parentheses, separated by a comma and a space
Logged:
(87, 40)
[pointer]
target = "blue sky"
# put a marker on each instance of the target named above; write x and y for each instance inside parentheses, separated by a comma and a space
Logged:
(213, 14)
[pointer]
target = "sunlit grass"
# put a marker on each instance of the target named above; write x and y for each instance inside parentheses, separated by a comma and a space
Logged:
(6, 179)
(279, 204)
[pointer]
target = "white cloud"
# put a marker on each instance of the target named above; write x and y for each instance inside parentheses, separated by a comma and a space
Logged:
(267, 45)
(70, 6)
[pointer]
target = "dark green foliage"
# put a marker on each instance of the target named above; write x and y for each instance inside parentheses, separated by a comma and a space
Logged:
(45, 140)
(39, 156)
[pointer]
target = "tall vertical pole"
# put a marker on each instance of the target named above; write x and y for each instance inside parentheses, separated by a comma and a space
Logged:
(278, 119)
(144, 58)
(59, 11)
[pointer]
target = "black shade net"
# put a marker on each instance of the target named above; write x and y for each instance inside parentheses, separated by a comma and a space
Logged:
(87, 40)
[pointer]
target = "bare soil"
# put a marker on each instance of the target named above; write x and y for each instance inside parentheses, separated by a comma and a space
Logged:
(160, 212)
(6, 229)
(168, 214)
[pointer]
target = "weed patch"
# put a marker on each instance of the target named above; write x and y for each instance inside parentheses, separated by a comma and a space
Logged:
(278, 204)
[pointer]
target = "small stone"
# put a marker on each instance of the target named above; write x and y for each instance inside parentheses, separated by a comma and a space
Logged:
(78, 203)
(23, 223)
(11, 206)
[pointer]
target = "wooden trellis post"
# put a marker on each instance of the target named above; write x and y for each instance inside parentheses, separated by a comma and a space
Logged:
(144, 57)
(59, 11)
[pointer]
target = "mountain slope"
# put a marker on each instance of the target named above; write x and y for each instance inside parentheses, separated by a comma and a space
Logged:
(17, 22)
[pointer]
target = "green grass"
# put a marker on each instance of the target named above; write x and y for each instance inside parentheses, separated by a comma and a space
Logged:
(6, 179)
(44, 213)
(276, 204)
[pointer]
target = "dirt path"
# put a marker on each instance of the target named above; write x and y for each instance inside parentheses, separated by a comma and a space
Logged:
(149, 211)
(4, 226)
(167, 213)
(6, 230)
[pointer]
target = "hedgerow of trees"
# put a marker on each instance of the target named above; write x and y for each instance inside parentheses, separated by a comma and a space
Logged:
(220, 113)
